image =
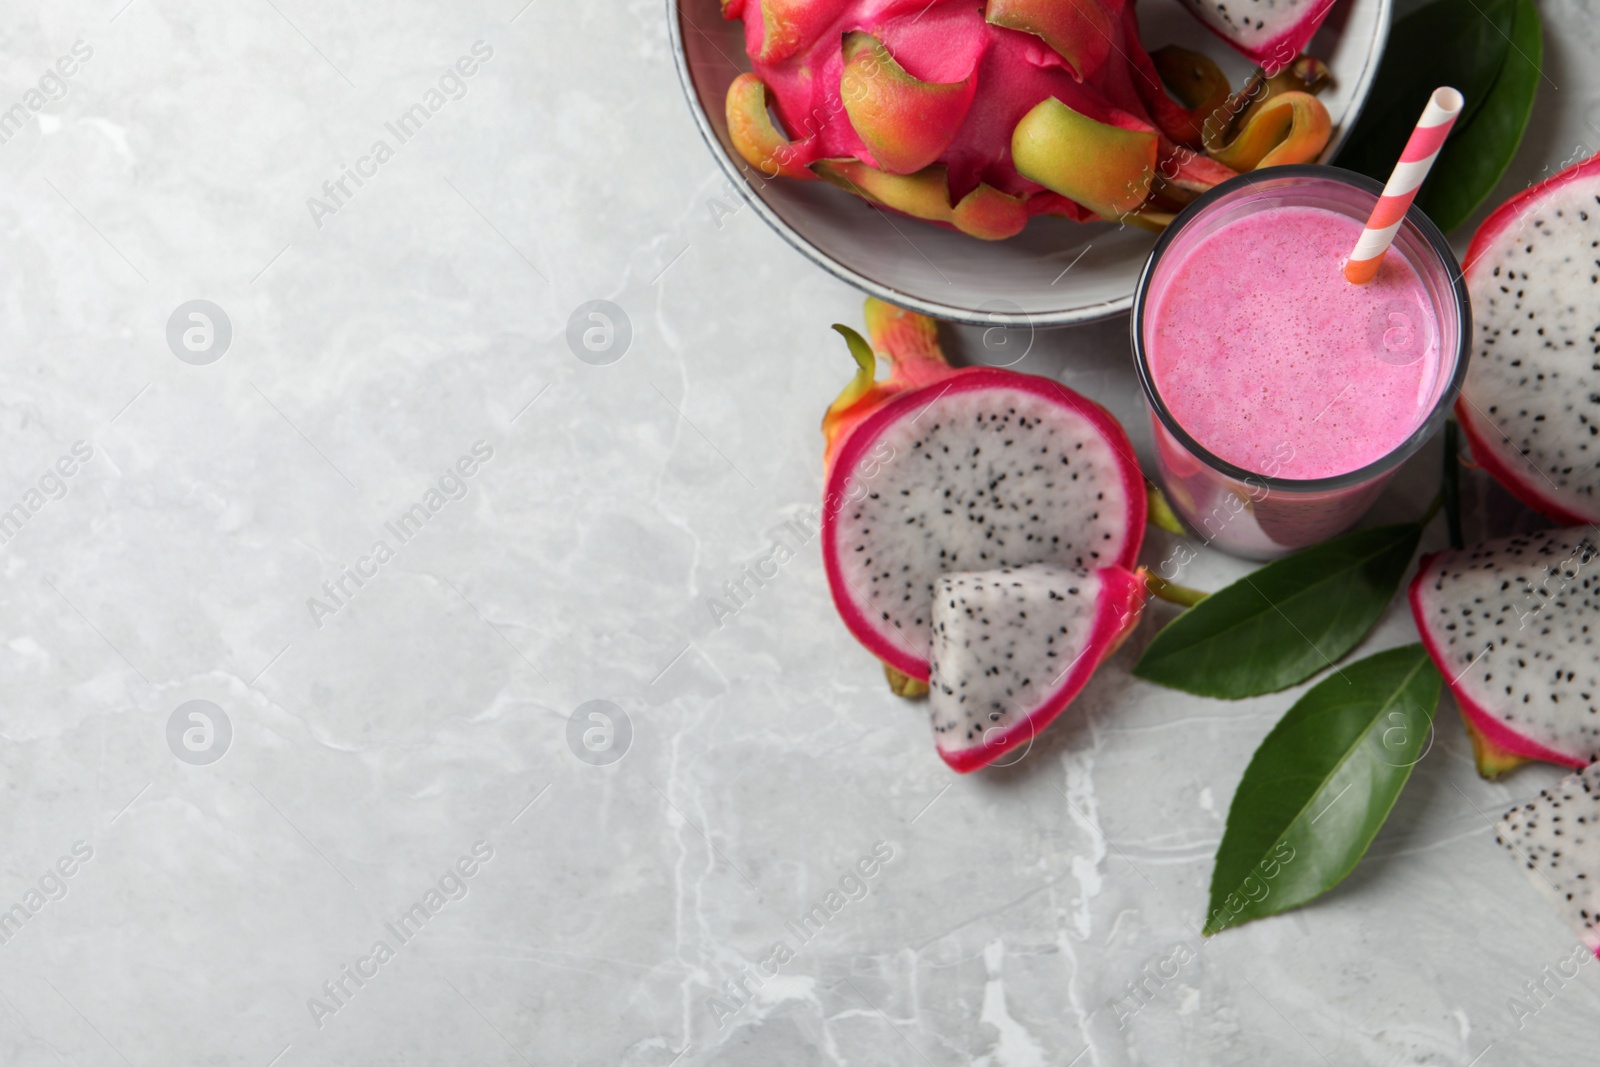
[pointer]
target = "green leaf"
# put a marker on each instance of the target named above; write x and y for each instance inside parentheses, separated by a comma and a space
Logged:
(1285, 622)
(1321, 784)
(1479, 153)
(1491, 50)
(1433, 46)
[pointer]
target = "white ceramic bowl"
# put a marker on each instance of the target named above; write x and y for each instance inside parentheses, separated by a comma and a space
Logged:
(1056, 272)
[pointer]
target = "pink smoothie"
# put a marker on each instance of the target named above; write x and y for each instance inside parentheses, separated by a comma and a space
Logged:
(1273, 362)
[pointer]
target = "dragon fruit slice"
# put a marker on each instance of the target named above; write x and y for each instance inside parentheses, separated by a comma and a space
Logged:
(1268, 32)
(1557, 839)
(972, 114)
(1514, 626)
(1531, 403)
(1012, 647)
(936, 470)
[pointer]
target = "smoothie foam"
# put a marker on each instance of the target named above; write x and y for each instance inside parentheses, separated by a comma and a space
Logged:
(1262, 350)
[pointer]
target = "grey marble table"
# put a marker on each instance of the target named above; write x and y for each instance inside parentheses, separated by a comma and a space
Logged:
(271, 794)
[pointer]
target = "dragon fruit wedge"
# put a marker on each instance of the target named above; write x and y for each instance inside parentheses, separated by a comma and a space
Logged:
(974, 114)
(1557, 840)
(972, 477)
(1514, 625)
(1013, 646)
(1269, 32)
(1531, 403)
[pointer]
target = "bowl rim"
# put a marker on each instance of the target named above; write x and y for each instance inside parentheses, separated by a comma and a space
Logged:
(737, 172)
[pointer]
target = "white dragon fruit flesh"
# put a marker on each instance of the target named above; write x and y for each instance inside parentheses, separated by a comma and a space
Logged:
(936, 470)
(1269, 32)
(1514, 626)
(1012, 647)
(1557, 840)
(1531, 403)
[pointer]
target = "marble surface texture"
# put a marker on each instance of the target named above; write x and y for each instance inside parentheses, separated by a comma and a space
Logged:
(410, 758)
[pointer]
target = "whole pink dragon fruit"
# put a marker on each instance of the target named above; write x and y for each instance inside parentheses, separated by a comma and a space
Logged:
(975, 114)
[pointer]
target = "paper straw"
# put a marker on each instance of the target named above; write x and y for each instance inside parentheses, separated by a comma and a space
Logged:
(1415, 162)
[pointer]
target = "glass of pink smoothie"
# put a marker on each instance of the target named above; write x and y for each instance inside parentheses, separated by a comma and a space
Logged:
(1282, 396)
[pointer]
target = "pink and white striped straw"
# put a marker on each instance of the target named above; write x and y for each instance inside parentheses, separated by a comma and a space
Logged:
(1415, 162)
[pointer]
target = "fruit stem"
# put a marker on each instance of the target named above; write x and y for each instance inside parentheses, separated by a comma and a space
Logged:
(1452, 482)
(1173, 594)
(903, 685)
(1162, 517)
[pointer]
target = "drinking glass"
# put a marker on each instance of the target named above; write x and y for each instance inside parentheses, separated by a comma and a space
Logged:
(1260, 514)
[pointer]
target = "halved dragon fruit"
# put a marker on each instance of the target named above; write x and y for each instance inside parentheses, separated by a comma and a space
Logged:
(1269, 32)
(976, 114)
(1012, 647)
(1531, 403)
(1514, 627)
(936, 470)
(1557, 839)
